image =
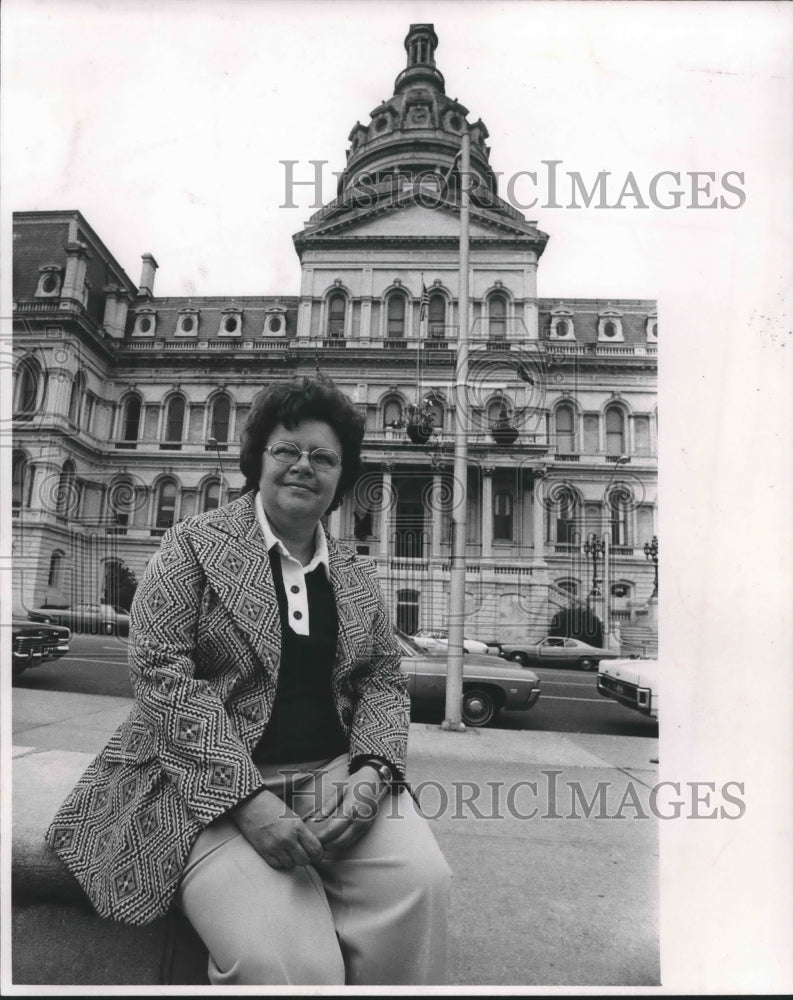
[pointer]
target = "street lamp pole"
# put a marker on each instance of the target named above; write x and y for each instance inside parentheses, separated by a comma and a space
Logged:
(454, 662)
(593, 548)
(651, 553)
(607, 554)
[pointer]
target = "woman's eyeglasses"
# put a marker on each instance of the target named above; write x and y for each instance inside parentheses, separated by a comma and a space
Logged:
(321, 459)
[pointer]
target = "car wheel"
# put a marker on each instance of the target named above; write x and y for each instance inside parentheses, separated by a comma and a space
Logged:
(587, 664)
(17, 669)
(478, 707)
(520, 658)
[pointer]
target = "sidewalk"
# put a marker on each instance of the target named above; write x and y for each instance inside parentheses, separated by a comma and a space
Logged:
(543, 894)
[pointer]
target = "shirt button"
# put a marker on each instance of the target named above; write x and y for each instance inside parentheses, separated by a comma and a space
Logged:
(295, 589)
(298, 615)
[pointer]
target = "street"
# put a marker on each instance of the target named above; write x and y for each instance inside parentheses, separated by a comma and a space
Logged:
(569, 702)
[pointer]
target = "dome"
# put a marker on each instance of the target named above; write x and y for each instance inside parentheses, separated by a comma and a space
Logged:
(418, 130)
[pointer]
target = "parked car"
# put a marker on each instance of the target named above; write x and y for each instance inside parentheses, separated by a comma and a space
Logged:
(632, 682)
(438, 638)
(489, 685)
(33, 644)
(555, 651)
(102, 619)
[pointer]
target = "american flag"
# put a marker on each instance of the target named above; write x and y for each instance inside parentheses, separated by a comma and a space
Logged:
(424, 302)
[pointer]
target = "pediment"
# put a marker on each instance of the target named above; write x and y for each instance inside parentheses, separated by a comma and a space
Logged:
(416, 220)
(409, 218)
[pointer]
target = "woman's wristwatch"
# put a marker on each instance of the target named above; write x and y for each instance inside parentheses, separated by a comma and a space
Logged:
(384, 770)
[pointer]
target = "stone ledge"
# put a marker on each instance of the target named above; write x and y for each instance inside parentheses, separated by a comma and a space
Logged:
(57, 938)
(41, 781)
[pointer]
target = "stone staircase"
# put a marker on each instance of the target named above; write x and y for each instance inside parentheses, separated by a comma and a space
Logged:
(641, 640)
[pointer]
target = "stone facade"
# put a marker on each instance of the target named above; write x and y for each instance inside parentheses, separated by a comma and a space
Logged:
(128, 407)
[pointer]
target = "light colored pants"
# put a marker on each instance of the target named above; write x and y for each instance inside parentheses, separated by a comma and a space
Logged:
(376, 915)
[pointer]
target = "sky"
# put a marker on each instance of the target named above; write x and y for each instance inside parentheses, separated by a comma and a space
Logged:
(164, 124)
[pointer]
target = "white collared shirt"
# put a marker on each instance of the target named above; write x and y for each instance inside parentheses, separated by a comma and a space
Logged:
(294, 572)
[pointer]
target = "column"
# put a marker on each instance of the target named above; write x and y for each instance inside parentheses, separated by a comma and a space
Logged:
(306, 303)
(530, 310)
(366, 304)
(385, 510)
(487, 512)
(437, 514)
(538, 522)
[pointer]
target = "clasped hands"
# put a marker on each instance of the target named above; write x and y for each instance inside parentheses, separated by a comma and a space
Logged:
(285, 840)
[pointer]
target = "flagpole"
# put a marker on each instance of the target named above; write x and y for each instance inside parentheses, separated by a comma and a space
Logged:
(422, 336)
(454, 661)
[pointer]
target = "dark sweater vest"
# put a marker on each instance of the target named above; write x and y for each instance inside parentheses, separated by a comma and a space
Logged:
(304, 724)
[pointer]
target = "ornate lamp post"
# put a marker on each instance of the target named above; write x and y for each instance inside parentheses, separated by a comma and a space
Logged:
(651, 552)
(594, 548)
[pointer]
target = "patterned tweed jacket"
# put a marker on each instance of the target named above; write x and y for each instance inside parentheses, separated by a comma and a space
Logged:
(204, 654)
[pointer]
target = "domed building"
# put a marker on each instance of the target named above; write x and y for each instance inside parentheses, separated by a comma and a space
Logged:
(128, 407)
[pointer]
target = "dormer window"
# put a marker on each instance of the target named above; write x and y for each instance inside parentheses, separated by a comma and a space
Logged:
(187, 324)
(230, 323)
(562, 327)
(610, 327)
(49, 284)
(275, 321)
(145, 323)
(652, 329)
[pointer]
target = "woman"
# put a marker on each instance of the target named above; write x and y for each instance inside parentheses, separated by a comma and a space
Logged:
(256, 783)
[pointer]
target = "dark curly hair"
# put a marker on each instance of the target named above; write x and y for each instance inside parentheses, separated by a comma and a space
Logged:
(290, 403)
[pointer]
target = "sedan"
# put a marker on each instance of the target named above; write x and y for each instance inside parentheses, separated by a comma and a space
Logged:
(489, 685)
(32, 644)
(104, 619)
(555, 651)
(438, 639)
(633, 683)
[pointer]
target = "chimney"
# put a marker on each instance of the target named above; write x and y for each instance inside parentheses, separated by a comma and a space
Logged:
(150, 265)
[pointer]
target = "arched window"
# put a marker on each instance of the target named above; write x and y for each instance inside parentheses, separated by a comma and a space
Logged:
(562, 328)
(436, 410)
(166, 505)
(221, 411)
(395, 313)
(609, 329)
(571, 586)
(641, 432)
(615, 431)
(499, 409)
(497, 312)
(76, 398)
(337, 305)
(174, 424)
(26, 390)
(619, 504)
(210, 498)
(56, 565)
(130, 421)
(122, 500)
(437, 316)
(67, 499)
(566, 531)
(502, 516)
(408, 611)
(392, 412)
(20, 481)
(565, 429)
(644, 523)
